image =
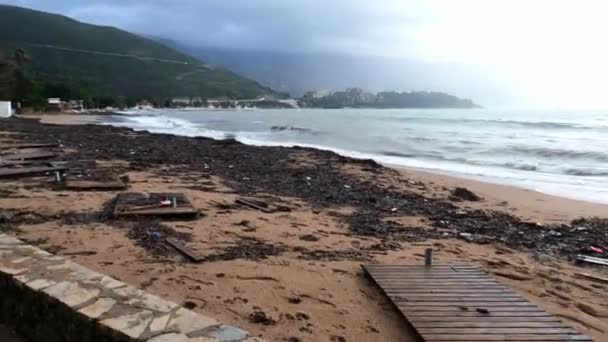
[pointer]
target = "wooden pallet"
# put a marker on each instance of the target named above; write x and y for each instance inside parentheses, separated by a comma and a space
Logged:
(463, 303)
(130, 204)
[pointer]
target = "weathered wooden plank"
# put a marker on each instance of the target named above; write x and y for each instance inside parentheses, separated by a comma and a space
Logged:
(161, 211)
(28, 171)
(505, 322)
(445, 290)
(592, 260)
(431, 283)
(464, 303)
(505, 337)
(184, 250)
(455, 313)
(153, 207)
(84, 185)
(28, 156)
(592, 277)
(27, 145)
(420, 299)
(494, 330)
(479, 319)
(254, 205)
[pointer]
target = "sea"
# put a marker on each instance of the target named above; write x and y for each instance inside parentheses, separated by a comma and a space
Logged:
(558, 152)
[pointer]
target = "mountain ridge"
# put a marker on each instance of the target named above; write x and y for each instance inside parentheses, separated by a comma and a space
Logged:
(113, 62)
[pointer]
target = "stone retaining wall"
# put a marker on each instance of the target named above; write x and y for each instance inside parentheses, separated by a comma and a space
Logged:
(49, 298)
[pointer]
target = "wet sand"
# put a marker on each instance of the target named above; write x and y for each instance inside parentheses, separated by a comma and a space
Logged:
(300, 268)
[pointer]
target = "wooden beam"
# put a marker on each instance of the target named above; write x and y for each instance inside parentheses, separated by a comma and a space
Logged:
(184, 250)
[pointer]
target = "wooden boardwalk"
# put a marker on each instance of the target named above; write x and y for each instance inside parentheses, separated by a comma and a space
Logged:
(462, 303)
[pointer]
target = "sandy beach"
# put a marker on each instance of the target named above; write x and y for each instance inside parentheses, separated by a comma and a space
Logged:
(295, 274)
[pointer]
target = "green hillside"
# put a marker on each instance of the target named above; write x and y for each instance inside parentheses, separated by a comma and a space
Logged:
(110, 61)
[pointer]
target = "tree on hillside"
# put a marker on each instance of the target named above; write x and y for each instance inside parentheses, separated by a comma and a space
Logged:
(13, 83)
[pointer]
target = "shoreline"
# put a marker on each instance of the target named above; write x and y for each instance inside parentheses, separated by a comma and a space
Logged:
(304, 262)
(528, 203)
(480, 182)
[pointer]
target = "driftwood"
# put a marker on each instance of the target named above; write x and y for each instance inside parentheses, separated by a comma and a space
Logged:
(184, 250)
(254, 205)
(592, 277)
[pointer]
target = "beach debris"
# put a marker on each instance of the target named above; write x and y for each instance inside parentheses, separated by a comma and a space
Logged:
(152, 236)
(466, 236)
(32, 155)
(260, 317)
(84, 185)
(179, 246)
(261, 206)
(276, 174)
(592, 260)
(246, 248)
(591, 277)
(173, 205)
(223, 205)
(464, 194)
(309, 237)
(596, 249)
(27, 146)
(86, 175)
(28, 171)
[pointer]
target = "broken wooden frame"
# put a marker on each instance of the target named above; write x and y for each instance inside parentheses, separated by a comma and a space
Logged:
(137, 204)
(84, 175)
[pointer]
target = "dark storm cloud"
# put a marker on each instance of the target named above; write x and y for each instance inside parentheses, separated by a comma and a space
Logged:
(350, 26)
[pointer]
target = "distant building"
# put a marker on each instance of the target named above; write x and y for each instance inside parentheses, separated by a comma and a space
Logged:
(77, 105)
(181, 101)
(55, 105)
(144, 104)
(5, 109)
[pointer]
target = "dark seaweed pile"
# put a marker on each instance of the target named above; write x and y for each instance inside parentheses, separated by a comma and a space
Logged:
(272, 170)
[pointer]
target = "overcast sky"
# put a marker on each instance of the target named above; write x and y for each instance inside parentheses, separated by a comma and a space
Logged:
(553, 52)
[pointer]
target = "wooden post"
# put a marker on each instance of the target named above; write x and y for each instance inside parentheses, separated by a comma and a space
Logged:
(428, 257)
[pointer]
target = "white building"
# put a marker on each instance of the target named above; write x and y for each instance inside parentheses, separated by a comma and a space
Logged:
(5, 109)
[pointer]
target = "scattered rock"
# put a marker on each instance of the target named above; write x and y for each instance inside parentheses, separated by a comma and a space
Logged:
(302, 316)
(309, 237)
(260, 317)
(465, 194)
(190, 305)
